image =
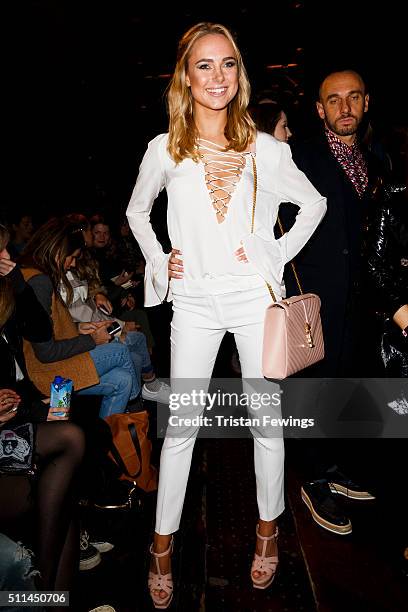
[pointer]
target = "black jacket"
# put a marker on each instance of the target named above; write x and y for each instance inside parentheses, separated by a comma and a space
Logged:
(330, 263)
(30, 321)
(387, 267)
(387, 252)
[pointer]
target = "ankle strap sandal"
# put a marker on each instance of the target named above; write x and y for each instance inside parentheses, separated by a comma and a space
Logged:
(265, 565)
(161, 582)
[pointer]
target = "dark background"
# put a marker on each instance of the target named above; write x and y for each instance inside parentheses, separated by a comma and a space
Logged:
(84, 82)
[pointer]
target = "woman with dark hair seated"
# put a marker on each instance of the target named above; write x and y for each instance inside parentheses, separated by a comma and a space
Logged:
(85, 353)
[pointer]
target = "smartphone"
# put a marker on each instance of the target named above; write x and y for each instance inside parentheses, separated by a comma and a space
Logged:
(114, 328)
(103, 309)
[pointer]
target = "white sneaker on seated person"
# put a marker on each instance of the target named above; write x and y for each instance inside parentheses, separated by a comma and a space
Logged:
(156, 391)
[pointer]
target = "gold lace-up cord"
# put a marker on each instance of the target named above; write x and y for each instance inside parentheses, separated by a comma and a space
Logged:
(223, 171)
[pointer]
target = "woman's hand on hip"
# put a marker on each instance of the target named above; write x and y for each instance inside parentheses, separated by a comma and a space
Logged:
(176, 269)
(241, 255)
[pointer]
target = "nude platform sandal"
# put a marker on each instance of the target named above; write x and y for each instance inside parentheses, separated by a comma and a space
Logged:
(261, 563)
(159, 581)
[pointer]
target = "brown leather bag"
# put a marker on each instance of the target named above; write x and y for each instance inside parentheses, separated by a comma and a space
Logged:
(131, 448)
(293, 336)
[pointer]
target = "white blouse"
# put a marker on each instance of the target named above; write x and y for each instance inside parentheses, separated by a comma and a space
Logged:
(207, 246)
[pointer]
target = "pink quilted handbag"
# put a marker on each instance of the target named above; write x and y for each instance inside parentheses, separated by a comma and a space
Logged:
(293, 336)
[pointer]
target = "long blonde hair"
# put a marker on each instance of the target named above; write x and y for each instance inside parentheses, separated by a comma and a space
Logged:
(183, 133)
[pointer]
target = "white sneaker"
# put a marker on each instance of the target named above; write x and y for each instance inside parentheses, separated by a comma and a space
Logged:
(89, 557)
(162, 395)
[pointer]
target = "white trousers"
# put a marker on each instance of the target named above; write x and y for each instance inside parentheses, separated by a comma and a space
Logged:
(198, 326)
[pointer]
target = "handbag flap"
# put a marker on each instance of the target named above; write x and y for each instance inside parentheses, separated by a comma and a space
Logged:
(286, 302)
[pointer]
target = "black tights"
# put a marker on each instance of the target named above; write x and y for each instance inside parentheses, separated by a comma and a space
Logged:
(60, 448)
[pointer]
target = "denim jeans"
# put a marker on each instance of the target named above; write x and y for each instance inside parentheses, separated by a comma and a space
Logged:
(137, 345)
(118, 382)
(16, 571)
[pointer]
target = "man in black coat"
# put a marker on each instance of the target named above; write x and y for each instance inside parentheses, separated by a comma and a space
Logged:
(329, 265)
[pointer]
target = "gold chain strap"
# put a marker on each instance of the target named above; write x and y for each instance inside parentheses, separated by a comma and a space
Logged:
(291, 263)
(254, 170)
(280, 227)
(253, 213)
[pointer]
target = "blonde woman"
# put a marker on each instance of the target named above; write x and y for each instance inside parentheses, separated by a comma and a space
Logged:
(217, 269)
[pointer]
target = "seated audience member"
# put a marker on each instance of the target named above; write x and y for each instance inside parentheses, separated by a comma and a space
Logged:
(104, 251)
(85, 352)
(128, 250)
(38, 459)
(17, 569)
(128, 310)
(21, 231)
(84, 309)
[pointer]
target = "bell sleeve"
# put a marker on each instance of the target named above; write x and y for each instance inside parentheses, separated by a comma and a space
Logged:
(290, 185)
(150, 181)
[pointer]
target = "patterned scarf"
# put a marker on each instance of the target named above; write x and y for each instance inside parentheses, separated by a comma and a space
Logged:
(351, 160)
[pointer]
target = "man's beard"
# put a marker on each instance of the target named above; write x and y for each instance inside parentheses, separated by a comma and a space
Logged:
(347, 130)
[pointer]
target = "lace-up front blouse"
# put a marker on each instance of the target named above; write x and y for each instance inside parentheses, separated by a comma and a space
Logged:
(209, 217)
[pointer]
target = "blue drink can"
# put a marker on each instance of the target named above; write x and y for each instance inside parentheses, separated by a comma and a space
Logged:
(61, 391)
